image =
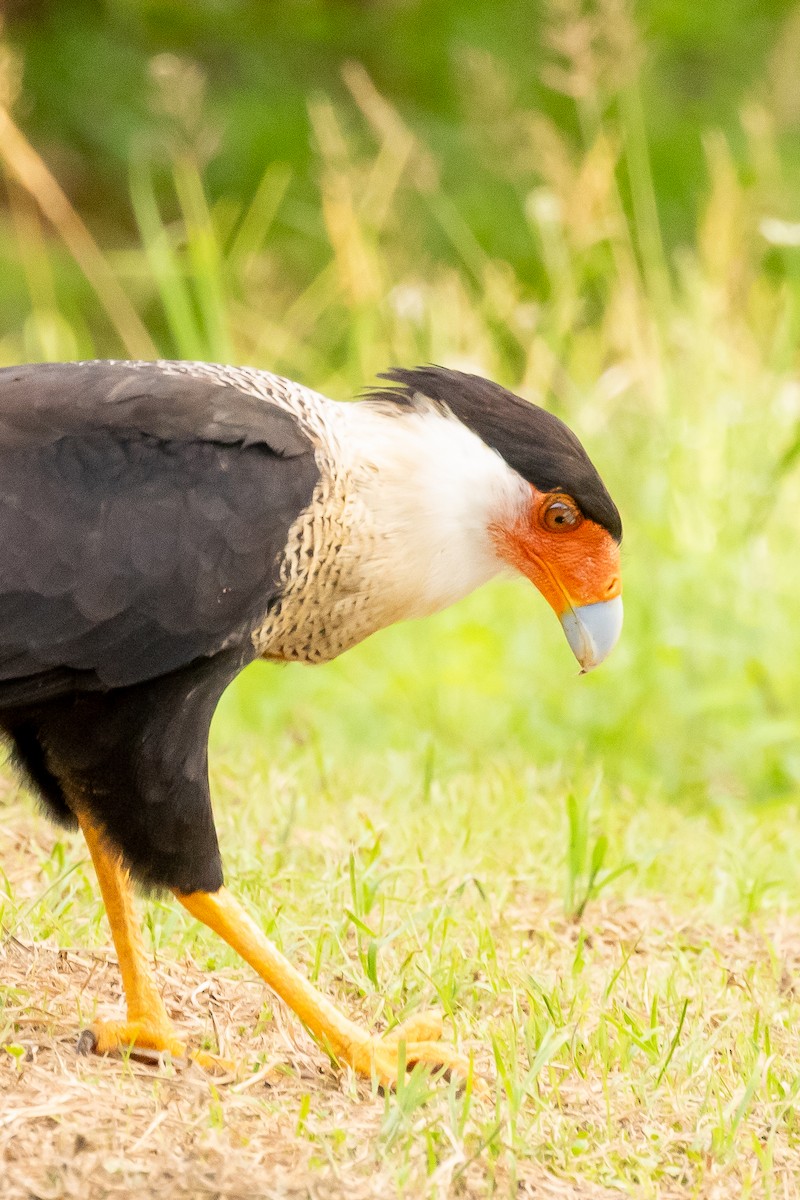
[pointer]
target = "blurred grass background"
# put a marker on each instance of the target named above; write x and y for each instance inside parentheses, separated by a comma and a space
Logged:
(594, 202)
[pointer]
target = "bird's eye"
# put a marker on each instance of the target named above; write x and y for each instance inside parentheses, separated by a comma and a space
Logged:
(561, 515)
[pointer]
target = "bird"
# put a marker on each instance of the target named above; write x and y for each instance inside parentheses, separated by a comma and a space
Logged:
(165, 523)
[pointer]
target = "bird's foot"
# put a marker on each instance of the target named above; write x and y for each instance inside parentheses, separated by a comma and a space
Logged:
(414, 1041)
(145, 1040)
(422, 1027)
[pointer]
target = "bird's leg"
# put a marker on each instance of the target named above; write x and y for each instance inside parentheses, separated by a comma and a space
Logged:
(148, 1027)
(367, 1055)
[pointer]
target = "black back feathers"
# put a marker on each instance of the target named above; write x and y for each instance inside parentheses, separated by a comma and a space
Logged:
(142, 518)
(534, 442)
(41, 403)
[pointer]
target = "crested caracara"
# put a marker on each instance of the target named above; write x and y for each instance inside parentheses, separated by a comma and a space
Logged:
(164, 524)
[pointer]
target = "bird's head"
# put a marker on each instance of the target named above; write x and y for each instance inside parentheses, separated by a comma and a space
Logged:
(562, 530)
(574, 562)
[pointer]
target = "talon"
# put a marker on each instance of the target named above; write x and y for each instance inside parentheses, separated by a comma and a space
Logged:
(147, 1043)
(453, 1063)
(381, 1057)
(86, 1043)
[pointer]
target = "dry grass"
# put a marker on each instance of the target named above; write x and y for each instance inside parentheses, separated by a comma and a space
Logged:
(652, 1053)
(91, 1128)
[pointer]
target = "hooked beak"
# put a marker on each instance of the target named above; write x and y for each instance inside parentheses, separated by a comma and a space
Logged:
(593, 631)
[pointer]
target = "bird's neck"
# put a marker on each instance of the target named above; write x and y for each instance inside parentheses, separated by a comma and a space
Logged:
(399, 528)
(430, 490)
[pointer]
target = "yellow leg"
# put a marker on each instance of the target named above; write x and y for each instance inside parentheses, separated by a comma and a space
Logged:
(148, 1027)
(368, 1055)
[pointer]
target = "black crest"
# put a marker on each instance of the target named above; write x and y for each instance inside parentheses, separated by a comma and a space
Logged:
(534, 442)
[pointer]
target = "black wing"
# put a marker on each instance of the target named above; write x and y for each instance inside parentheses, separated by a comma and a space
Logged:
(142, 519)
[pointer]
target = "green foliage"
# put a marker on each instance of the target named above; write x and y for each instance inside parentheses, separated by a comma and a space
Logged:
(585, 876)
(432, 59)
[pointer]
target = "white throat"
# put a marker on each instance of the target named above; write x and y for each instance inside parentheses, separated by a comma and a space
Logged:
(430, 490)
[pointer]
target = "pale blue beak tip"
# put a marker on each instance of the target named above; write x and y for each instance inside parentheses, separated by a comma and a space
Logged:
(593, 631)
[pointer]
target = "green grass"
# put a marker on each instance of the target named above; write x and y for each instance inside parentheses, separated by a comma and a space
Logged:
(594, 877)
(649, 1044)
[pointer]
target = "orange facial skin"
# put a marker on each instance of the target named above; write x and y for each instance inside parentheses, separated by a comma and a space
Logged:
(571, 560)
